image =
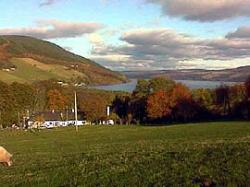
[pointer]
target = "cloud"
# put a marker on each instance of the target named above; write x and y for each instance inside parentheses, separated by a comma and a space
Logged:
(242, 32)
(204, 10)
(48, 2)
(51, 29)
(166, 49)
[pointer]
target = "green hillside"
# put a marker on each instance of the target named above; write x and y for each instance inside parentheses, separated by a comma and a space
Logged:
(36, 59)
(181, 155)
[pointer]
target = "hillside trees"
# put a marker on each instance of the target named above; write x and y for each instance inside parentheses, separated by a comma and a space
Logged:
(24, 96)
(8, 114)
(16, 101)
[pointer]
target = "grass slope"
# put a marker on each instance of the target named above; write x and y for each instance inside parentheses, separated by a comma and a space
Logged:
(130, 156)
(48, 53)
(29, 70)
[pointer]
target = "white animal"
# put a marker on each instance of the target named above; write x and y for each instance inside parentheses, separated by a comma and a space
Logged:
(5, 156)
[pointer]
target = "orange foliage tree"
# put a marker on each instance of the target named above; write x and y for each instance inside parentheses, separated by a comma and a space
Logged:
(56, 100)
(180, 92)
(93, 106)
(159, 104)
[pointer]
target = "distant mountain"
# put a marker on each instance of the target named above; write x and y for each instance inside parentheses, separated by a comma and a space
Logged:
(26, 59)
(227, 75)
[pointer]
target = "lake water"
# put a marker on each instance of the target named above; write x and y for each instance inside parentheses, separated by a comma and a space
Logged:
(192, 84)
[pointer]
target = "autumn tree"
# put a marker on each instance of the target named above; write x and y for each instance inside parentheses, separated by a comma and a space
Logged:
(180, 92)
(159, 105)
(184, 107)
(203, 97)
(41, 93)
(173, 103)
(93, 106)
(56, 100)
(237, 94)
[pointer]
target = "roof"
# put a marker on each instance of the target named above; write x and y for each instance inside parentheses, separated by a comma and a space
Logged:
(57, 116)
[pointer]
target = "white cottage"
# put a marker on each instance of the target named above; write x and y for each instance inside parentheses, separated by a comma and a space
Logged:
(52, 119)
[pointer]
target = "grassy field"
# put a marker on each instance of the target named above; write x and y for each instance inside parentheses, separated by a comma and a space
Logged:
(130, 156)
(29, 70)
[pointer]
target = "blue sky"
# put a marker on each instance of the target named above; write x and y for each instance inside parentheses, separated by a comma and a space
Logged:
(138, 34)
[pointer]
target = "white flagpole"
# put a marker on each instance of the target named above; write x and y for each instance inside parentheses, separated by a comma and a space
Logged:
(76, 121)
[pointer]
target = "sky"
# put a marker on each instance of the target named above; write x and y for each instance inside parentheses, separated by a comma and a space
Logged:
(138, 34)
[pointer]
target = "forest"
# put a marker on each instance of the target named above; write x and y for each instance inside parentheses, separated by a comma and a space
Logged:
(156, 101)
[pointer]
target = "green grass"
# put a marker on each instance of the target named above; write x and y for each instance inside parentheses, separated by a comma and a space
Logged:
(130, 156)
(29, 70)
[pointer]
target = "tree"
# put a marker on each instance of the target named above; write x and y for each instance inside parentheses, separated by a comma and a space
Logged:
(8, 106)
(121, 106)
(222, 98)
(93, 106)
(237, 94)
(159, 105)
(186, 110)
(161, 83)
(247, 86)
(24, 95)
(164, 104)
(41, 93)
(56, 100)
(141, 93)
(180, 92)
(138, 109)
(184, 107)
(142, 89)
(203, 97)
(139, 101)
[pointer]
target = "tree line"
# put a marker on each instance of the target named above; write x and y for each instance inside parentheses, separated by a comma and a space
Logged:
(156, 101)
(19, 101)
(161, 100)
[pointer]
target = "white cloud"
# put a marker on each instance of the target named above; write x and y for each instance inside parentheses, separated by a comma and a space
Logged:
(166, 49)
(51, 29)
(204, 10)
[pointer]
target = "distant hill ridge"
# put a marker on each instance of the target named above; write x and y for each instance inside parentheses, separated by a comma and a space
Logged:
(239, 74)
(44, 60)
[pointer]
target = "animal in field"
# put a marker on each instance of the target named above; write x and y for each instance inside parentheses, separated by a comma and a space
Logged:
(5, 157)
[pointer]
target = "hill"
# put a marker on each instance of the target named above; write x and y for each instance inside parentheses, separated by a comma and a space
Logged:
(181, 155)
(26, 59)
(228, 75)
